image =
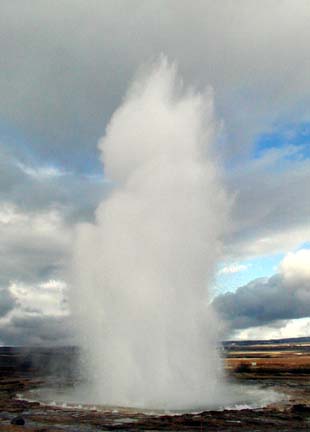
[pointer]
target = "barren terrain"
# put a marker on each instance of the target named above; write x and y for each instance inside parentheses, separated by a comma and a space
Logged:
(283, 366)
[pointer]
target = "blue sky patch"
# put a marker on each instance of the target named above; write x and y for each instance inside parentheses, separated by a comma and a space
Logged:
(231, 276)
(297, 135)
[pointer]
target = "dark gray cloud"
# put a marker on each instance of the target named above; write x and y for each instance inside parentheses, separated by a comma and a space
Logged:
(39, 206)
(271, 208)
(35, 314)
(36, 187)
(265, 301)
(7, 302)
(37, 330)
(66, 65)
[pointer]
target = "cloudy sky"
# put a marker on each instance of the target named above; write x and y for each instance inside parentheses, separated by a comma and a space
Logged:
(65, 68)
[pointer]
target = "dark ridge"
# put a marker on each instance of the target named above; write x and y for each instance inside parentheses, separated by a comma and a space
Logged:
(232, 345)
(35, 361)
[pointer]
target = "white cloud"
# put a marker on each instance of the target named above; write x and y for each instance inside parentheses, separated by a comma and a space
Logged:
(43, 229)
(9, 214)
(271, 305)
(45, 298)
(35, 313)
(35, 249)
(34, 245)
(233, 268)
(296, 264)
(41, 172)
(275, 242)
(284, 329)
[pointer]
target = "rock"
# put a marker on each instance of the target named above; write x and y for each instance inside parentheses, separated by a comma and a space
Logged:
(18, 421)
(301, 409)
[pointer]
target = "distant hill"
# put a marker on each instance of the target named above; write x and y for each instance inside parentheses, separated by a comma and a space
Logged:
(234, 345)
(270, 341)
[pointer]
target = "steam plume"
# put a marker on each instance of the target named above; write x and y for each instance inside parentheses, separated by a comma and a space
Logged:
(142, 270)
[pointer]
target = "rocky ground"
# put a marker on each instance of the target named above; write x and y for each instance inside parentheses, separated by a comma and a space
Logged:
(283, 367)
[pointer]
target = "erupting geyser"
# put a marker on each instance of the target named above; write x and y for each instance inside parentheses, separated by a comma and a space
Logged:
(143, 268)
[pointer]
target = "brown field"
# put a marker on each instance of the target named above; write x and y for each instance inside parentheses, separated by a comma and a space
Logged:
(281, 367)
(282, 361)
(293, 360)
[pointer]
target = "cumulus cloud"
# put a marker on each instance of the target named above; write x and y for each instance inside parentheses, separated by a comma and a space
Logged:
(46, 298)
(33, 244)
(39, 205)
(34, 252)
(270, 301)
(277, 330)
(296, 265)
(35, 314)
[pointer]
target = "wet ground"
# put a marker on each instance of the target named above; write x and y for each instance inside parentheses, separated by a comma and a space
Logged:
(284, 368)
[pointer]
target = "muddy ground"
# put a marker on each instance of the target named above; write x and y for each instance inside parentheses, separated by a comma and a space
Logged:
(284, 367)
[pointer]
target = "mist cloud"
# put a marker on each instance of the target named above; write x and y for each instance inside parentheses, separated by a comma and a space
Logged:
(141, 271)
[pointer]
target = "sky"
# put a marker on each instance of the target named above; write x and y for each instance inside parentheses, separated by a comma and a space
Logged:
(64, 69)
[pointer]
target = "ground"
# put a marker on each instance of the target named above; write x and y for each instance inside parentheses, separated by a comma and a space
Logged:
(284, 367)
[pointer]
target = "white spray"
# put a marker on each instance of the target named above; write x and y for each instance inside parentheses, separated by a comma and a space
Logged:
(142, 270)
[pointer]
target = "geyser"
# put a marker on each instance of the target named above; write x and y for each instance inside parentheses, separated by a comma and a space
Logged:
(142, 269)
